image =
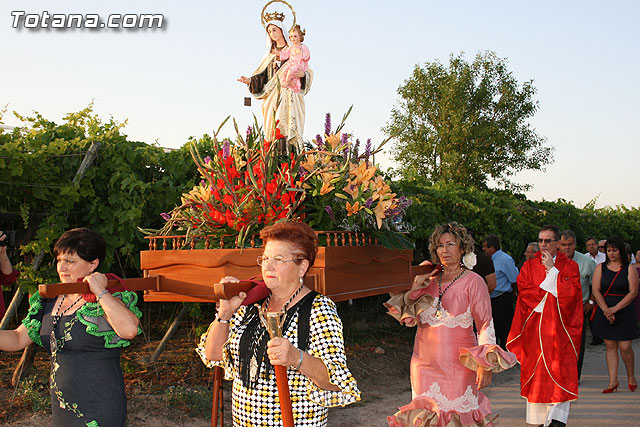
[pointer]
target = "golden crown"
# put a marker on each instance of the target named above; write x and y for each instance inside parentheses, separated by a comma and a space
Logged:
(275, 16)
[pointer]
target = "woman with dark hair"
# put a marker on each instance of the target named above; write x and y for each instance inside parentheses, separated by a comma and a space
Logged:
(84, 335)
(614, 287)
(311, 346)
(449, 364)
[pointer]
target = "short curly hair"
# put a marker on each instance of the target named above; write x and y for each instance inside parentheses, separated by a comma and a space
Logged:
(458, 231)
(298, 234)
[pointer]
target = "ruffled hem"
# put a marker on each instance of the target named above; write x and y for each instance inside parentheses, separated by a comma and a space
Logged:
(33, 319)
(339, 376)
(91, 314)
(423, 412)
(488, 356)
(406, 308)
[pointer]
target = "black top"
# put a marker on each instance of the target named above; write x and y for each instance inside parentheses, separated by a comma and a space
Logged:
(624, 327)
(87, 387)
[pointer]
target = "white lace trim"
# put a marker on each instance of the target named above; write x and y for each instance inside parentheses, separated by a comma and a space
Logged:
(487, 334)
(464, 320)
(466, 403)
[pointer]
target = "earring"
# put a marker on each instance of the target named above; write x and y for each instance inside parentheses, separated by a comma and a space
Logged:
(301, 281)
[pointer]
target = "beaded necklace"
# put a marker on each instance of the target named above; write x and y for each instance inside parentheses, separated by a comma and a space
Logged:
(439, 308)
(53, 343)
(284, 307)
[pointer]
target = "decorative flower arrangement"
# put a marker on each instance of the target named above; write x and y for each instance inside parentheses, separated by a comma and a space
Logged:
(250, 184)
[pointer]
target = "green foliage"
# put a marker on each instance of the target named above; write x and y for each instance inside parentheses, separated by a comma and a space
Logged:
(128, 184)
(510, 216)
(466, 123)
(35, 391)
(196, 399)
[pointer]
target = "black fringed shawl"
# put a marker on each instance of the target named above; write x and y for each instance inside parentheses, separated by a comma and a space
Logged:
(253, 342)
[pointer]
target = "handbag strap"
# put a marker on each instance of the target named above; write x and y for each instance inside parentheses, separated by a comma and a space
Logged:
(614, 279)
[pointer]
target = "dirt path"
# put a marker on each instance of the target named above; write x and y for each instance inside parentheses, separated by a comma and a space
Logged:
(384, 382)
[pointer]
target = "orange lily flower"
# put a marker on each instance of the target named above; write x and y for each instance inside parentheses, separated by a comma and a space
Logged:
(353, 209)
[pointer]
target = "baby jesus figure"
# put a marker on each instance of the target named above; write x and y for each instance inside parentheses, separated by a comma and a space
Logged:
(298, 60)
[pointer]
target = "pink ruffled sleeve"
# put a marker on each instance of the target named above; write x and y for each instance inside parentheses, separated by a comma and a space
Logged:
(284, 54)
(406, 307)
(306, 55)
(486, 354)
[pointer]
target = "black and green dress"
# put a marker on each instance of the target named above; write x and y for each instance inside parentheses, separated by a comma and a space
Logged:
(87, 387)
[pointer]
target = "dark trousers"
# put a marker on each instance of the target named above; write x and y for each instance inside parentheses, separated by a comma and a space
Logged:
(502, 310)
(585, 325)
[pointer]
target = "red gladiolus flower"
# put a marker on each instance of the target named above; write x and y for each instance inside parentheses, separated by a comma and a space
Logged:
(220, 183)
(227, 199)
(271, 186)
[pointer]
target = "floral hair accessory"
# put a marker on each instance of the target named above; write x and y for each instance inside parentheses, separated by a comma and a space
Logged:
(469, 260)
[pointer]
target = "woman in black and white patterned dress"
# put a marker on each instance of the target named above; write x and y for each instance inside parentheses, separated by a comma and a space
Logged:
(312, 346)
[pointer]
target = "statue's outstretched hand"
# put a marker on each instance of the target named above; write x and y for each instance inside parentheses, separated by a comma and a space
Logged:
(244, 80)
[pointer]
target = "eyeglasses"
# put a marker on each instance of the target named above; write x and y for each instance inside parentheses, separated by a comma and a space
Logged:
(448, 245)
(278, 260)
(601, 247)
(546, 241)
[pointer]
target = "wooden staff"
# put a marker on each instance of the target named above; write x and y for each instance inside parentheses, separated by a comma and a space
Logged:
(273, 322)
(156, 283)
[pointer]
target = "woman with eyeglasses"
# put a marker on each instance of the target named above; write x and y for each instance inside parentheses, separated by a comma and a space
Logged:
(614, 287)
(312, 346)
(450, 364)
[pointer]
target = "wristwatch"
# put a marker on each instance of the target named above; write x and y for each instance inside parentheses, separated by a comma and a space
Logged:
(591, 302)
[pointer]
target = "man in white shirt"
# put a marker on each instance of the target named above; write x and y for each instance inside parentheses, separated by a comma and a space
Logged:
(593, 252)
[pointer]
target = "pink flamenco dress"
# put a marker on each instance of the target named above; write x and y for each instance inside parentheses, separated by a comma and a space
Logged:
(446, 354)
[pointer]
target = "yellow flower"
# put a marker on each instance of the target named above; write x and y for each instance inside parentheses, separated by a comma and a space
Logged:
(326, 188)
(353, 209)
(309, 163)
(333, 140)
(363, 173)
(352, 189)
(379, 210)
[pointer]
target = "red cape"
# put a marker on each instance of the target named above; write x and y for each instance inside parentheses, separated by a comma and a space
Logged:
(547, 344)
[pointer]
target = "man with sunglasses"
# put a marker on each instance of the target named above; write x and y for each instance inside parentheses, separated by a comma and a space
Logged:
(546, 331)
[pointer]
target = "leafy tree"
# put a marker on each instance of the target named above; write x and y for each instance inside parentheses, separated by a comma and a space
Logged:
(129, 184)
(467, 123)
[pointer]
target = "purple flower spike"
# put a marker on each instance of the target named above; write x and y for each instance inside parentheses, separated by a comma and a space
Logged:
(207, 160)
(226, 149)
(319, 142)
(327, 124)
(249, 130)
(368, 203)
(344, 141)
(356, 148)
(165, 216)
(330, 212)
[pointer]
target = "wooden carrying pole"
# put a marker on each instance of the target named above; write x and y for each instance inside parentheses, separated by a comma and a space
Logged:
(285, 397)
(213, 292)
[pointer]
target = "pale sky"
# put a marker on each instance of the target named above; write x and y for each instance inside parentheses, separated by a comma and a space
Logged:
(181, 81)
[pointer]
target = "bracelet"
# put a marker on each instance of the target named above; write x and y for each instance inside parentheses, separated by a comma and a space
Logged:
(219, 320)
(301, 358)
(101, 294)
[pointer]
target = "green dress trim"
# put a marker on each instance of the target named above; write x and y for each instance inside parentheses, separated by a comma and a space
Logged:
(91, 314)
(33, 320)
